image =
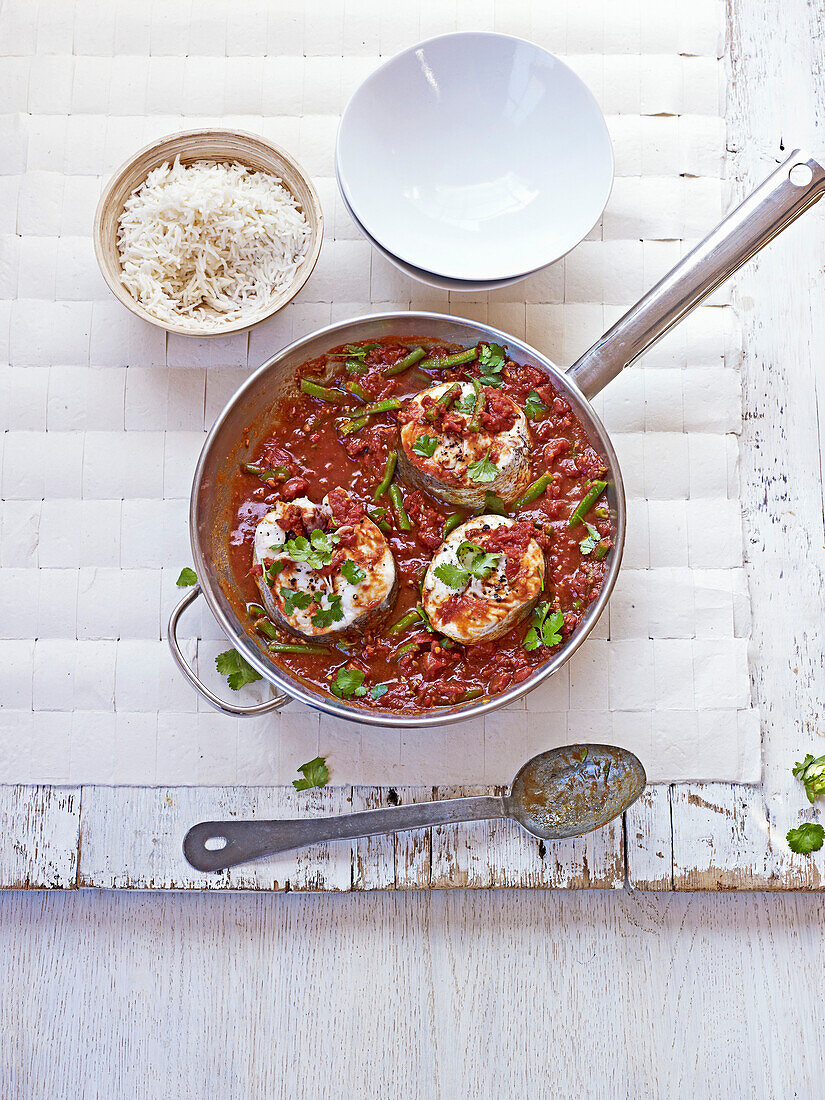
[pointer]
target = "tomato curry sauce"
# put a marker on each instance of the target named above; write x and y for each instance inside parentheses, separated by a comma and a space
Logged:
(340, 430)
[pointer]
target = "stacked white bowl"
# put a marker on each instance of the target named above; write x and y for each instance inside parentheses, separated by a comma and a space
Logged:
(473, 160)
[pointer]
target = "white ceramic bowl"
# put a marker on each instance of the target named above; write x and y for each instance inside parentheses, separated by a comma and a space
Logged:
(439, 282)
(475, 156)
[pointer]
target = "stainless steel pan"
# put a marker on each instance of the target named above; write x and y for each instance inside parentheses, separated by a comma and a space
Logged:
(785, 194)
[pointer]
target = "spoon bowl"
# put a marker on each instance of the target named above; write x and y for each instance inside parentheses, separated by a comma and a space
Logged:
(574, 789)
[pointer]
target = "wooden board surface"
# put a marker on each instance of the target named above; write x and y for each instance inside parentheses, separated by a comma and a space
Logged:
(700, 836)
(430, 995)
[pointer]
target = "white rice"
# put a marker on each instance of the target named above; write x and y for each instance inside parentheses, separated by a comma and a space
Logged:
(207, 244)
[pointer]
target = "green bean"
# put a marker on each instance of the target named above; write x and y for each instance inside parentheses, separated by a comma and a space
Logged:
(355, 366)
(389, 404)
(494, 503)
(444, 401)
(283, 647)
(255, 611)
(347, 427)
(409, 360)
(533, 492)
(398, 508)
(601, 551)
(357, 389)
(451, 522)
(406, 621)
(450, 360)
(586, 503)
(481, 401)
(354, 350)
(264, 626)
(325, 393)
(277, 473)
(379, 520)
(408, 648)
(389, 471)
(470, 693)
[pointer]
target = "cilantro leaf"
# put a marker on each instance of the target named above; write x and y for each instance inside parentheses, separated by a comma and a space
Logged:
(353, 573)
(452, 575)
(545, 629)
(483, 470)
(272, 571)
(187, 578)
(425, 446)
(494, 503)
(293, 599)
(348, 681)
(811, 772)
(466, 403)
(315, 774)
(491, 358)
(237, 670)
(326, 616)
(476, 561)
(472, 561)
(807, 838)
(379, 690)
(354, 351)
(588, 545)
(534, 407)
(316, 551)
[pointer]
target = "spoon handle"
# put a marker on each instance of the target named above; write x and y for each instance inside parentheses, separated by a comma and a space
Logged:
(246, 840)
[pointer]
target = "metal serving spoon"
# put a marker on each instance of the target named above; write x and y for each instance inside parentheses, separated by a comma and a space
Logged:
(560, 793)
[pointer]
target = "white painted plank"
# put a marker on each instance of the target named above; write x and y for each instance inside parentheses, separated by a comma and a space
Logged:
(649, 840)
(728, 837)
(38, 837)
(132, 837)
(400, 861)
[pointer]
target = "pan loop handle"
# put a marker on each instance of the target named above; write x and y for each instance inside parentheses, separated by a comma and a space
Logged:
(275, 703)
(779, 200)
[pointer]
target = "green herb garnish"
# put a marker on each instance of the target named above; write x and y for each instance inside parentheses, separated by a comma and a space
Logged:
(483, 470)
(293, 599)
(807, 838)
(546, 628)
(588, 545)
(326, 616)
(187, 578)
(466, 403)
(378, 690)
(811, 773)
(425, 446)
(491, 358)
(472, 561)
(534, 407)
(315, 551)
(315, 774)
(452, 575)
(273, 569)
(348, 682)
(353, 573)
(237, 670)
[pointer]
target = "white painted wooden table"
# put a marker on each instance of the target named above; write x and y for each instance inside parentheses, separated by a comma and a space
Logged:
(445, 995)
(678, 837)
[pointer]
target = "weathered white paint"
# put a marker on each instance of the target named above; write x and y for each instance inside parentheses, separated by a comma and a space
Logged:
(433, 995)
(722, 836)
(39, 828)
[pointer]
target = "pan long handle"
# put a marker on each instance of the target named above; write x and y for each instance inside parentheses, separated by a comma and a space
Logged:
(784, 195)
